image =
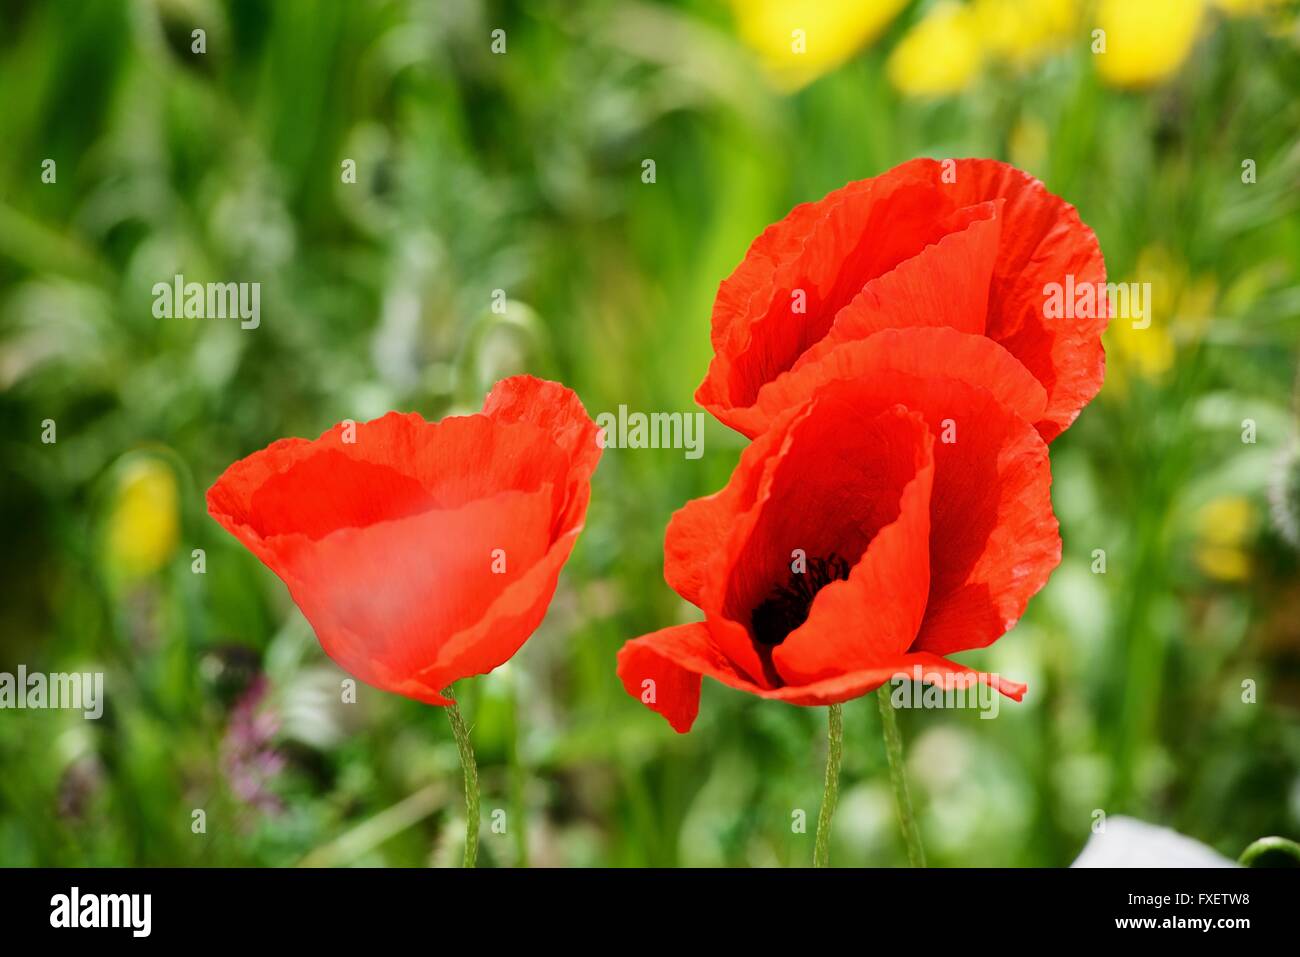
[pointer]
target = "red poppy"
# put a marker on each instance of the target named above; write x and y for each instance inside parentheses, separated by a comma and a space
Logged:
(896, 511)
(422, 552)
(971, 245)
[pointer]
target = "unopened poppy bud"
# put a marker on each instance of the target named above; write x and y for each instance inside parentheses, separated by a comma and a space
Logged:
(144, 519)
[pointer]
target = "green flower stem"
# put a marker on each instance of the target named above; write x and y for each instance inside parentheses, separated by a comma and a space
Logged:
(834, 747)
(517, 781)
(471, 777)
(898, 777)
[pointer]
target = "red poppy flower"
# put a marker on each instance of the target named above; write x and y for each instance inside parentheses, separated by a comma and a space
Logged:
(422, 552)
(896, 511)
(907, 250)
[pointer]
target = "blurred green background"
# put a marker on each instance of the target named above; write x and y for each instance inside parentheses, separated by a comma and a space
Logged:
(522, 171)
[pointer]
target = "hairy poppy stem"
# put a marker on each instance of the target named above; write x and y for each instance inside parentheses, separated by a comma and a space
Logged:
(471, 777)
(898, 777)
(834, 747)
(517, 782)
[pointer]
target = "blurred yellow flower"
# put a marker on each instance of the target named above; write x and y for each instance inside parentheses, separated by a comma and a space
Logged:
(943, 52)
(799, 40)
(940, 54)
(143, 524)
(1024, 31)
(1179, 306)
(1146, 40)
(1147, 353)
(1224, 525)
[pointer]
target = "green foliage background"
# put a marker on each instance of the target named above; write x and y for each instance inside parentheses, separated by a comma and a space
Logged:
(523, 172)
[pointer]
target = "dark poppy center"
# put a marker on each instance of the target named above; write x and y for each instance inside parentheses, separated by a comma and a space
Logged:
(786, 607)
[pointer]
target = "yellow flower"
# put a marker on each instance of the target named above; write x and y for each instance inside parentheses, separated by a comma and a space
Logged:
(1024, 31)
(799, 40)
(143, 525)
(1146, 40)
(940, 54)
(1147, 353)
(1224, 526)
(1173, 304)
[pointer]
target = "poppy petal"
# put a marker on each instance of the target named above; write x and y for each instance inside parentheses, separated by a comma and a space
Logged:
(508, 622)
(864, 471)
(817, 260)
(920, 354)
(873, 615)
(698, 530)
(1043, 241)
(394, 593)
(994, 538)
(830, 263)
(559, 414)
(994, 545)
(854, 684)
(698, 541)
(663, 670)
(385, 469)
(944, 285)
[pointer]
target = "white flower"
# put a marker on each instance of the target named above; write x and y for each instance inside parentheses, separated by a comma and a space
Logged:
(1128, 842)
